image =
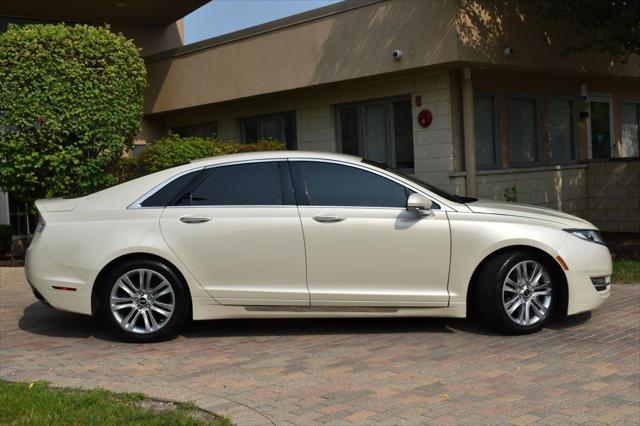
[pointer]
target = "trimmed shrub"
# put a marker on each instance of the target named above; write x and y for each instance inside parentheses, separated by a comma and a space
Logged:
(5, 239)
(70, 104)
(174, 150)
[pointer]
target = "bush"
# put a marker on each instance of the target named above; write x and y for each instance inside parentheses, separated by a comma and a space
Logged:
(70, 104)
(5, 239)
(174, 150)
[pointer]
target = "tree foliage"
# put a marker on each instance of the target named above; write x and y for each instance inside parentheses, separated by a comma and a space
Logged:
(608, 26)
(173, 150)
(70, 103)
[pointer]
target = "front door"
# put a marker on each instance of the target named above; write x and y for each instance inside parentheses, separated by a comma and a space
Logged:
(239, 233)
(363, 247)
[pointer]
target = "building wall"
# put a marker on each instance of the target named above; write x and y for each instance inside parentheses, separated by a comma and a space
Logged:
(556, 187)
(545, 86)
(606, 193)
(315, 116)
(358, 43)
(153, 39)
(613, 192)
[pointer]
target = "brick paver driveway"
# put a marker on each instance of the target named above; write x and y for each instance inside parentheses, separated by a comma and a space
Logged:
(584, 370)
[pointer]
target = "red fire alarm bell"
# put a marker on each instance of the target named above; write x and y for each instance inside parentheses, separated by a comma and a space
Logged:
(425, 117)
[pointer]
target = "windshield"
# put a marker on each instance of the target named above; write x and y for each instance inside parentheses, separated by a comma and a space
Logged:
(440, 192)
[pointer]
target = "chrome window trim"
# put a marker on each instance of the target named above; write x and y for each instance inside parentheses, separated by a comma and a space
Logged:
(137, 204)
(444, 206)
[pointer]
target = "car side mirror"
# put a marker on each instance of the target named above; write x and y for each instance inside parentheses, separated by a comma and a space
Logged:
(418, 203)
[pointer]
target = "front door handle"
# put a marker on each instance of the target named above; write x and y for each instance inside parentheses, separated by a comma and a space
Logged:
(327, 218)
(195, 219)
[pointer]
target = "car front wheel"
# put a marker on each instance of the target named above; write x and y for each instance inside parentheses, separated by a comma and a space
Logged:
(516, 292)
(143, 301)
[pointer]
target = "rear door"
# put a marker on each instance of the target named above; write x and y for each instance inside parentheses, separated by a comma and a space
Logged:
(238, 231)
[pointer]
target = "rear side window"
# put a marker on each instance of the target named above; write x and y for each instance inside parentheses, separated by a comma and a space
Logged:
(252, 184)
(329, 184)
(165, 195)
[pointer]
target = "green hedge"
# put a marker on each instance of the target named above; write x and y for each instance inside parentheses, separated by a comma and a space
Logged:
(70, 104)
(174, 150)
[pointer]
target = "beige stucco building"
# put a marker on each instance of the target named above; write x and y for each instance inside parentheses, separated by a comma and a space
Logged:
(477, 99)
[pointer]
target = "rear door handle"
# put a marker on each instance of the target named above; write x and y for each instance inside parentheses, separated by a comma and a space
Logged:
(328, 218)
(195, 219)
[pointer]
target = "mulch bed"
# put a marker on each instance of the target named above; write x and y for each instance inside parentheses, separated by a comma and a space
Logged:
(623, 245)
(11, 262)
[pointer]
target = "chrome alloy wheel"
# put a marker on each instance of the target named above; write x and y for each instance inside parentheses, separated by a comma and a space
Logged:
(142, 301)
(526, 293)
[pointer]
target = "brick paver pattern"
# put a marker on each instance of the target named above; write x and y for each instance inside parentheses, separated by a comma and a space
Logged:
(365, 371)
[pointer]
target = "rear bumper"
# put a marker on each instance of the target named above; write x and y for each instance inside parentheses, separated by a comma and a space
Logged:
(586, 261)
(44, 275)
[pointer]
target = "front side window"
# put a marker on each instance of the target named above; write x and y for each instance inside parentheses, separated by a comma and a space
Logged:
(522, 125)
(251, 184)
(485, 121)
(630, 123)
(329, 184)
(280, 127)
(561, 131)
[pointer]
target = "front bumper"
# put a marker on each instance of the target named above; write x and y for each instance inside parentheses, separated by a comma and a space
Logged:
(586, 261)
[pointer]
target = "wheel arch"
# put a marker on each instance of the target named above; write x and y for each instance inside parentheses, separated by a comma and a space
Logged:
(557, 271)
(100, 278)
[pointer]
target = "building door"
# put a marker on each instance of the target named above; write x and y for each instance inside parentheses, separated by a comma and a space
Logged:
(600, 130)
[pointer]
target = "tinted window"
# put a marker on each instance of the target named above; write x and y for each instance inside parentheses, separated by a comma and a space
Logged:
(170, 191)
(331, 184)
(254, 184)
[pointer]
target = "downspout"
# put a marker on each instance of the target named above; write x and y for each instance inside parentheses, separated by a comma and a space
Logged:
(469, 132)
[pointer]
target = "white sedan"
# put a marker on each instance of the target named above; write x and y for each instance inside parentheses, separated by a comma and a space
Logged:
(295, 234)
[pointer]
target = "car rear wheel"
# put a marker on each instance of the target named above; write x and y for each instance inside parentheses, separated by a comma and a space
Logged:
(143, 301)
(516, 292)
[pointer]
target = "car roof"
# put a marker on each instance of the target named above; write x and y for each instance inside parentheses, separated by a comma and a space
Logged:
(268, 155)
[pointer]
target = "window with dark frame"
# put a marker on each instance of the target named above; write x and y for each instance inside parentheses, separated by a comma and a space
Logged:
(486, 129)
(630, 129)
(378, 130)
(280, 127)
(561, 130)
(522, 125)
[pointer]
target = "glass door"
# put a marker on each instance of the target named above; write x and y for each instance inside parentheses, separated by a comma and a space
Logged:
(601, 144)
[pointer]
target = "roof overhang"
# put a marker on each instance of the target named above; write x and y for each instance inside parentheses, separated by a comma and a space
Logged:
(142, 12)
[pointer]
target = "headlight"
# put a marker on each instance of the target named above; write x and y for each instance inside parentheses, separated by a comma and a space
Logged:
(587, 234)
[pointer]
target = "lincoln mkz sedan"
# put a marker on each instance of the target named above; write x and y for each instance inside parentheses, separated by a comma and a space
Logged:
(295, 234)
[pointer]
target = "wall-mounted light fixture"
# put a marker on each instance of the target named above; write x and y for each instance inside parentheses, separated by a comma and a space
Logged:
(584, 94)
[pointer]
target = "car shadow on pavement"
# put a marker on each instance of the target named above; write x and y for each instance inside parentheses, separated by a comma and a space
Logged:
(40, 319)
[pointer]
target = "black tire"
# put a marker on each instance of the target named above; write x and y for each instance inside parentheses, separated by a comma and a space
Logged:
(170, 327)
(489, 292)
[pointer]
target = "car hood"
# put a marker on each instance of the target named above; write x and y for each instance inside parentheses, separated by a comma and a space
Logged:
(528, 211)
